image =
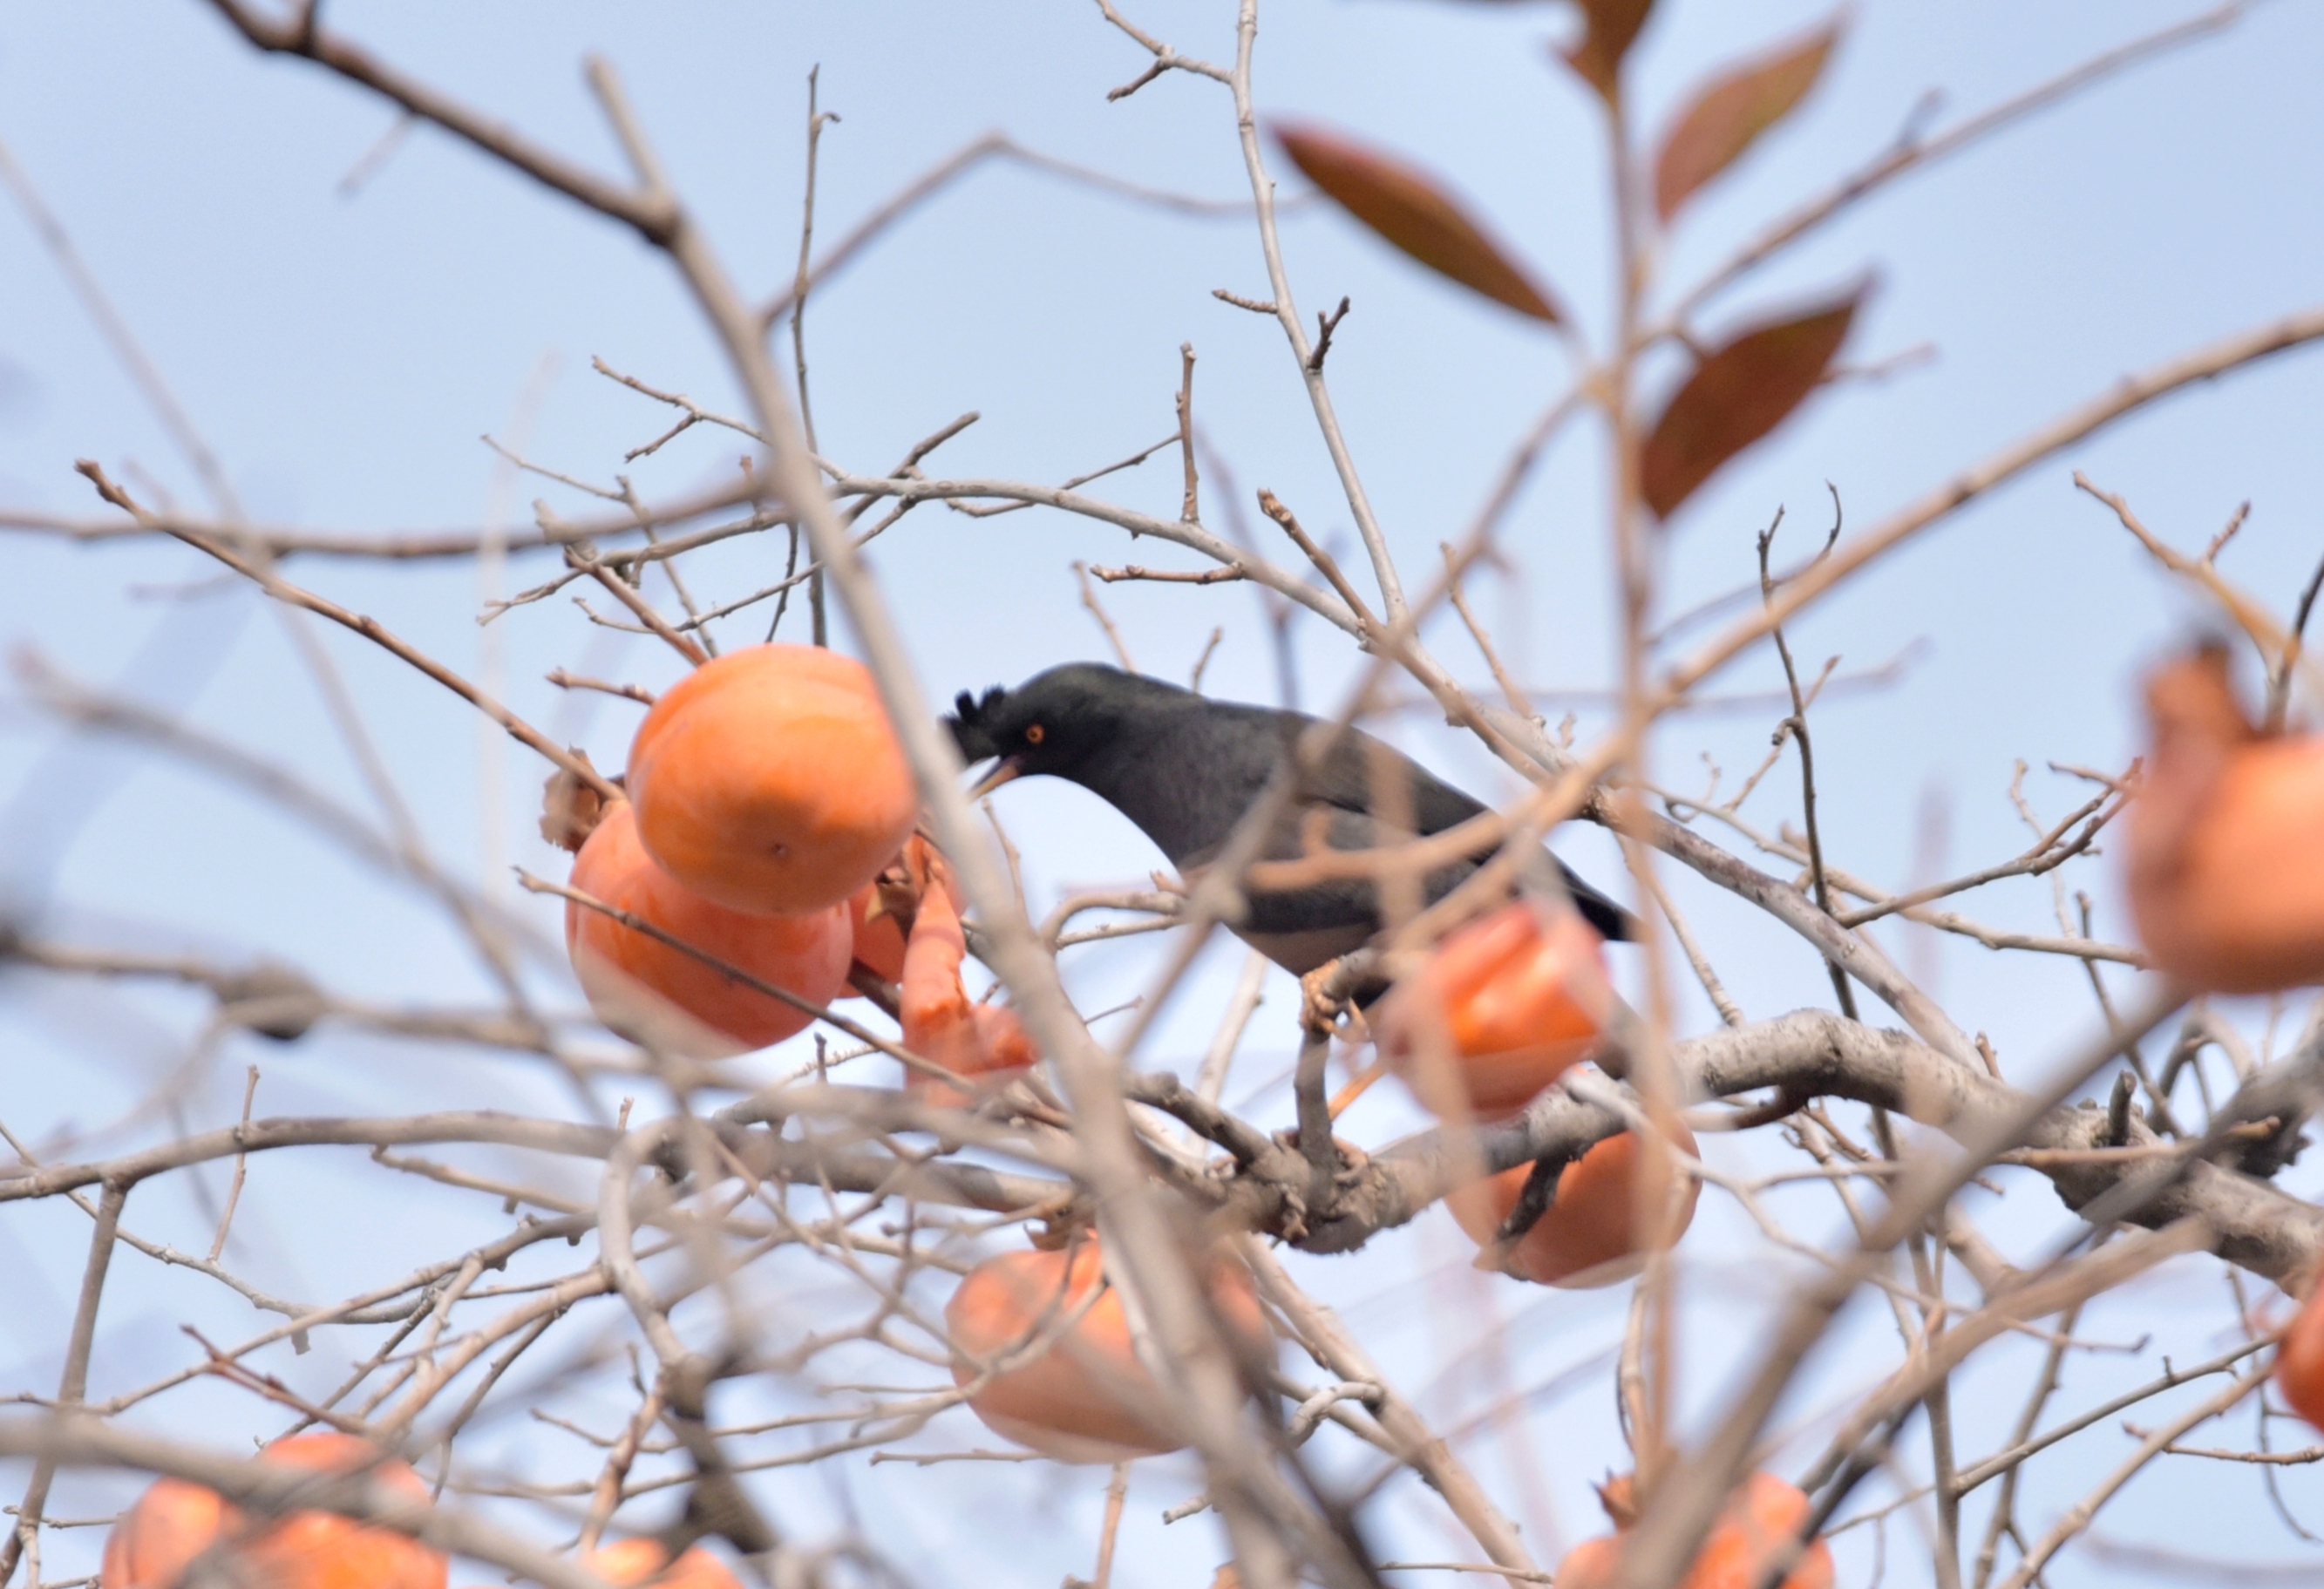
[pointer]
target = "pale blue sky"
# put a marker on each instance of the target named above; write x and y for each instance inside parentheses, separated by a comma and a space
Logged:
(343, 355)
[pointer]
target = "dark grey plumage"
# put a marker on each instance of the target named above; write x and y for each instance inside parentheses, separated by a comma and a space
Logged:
(1184, 768)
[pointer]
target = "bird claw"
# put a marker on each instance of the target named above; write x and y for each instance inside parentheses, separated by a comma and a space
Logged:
(1321, 1007)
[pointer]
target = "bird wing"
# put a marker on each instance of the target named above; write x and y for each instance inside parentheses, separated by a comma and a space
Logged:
(1352, 780)
(1355, 777)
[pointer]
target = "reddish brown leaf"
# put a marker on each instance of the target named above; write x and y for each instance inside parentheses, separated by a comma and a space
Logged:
(1729, 113)
(1407, 208)
(1611, 26)
(1735, 396)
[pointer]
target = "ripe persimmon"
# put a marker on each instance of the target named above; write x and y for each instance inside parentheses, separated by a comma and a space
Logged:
(1503, 1006)
(771, 779)
(666, 997)
(634, 1563)
(1589, 1234)
(982, 1042)
(1086, 1398)
(174, 1521)
(1760, 1521)
(2226, 839)
(1590, 1563)
(2300, 1360)
(171, 1524)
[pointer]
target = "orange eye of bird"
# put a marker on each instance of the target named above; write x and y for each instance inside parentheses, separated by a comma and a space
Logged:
(1035, 735)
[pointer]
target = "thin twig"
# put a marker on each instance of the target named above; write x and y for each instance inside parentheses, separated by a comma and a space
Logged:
(73, 1385)
(1286, 315)
(369, 628)
(2279, 684)
(2125, 397)
(1169, 576)
(2273, 640)
(656, 625)
(1116, 1491)
(1798, 726)
(1510, 690)
(2078, 1517)
(1089, 602)
(142, 370)
(1325, 324)
(629, 692)
(1728, 1011)
(1166, 58)
(801, 283)
(241, 1166)
(1911, 151)
(1210, 646)
(978, 511)
(1190, 507)
(1269, 504)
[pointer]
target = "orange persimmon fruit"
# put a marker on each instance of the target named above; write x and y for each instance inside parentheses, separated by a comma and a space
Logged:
(1510, 1001)
(771, 779)
(666, 997)
(984, 1043)
(174, 1521)
(2300, 1360)
(1589, 1234)
(2225, 845)
(171, 1524)
(1086, 1398)
(645, 1564)
(1760, 1520)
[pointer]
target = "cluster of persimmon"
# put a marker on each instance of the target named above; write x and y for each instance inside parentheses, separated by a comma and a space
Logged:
(740, 839)
(1505, 1006)
(175, 1524)
(769, 826)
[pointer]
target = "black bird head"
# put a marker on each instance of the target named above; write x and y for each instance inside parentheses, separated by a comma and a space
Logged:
(1054, 722)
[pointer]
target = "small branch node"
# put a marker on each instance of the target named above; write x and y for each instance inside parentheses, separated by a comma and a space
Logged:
(1325, 324)
(1257, 305)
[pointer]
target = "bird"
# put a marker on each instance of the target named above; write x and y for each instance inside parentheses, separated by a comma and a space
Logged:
(1185, 768)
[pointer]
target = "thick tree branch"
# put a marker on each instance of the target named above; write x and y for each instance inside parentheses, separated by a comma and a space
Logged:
(1819, 1053)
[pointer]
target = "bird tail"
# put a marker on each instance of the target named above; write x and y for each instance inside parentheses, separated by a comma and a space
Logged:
(1610, 919)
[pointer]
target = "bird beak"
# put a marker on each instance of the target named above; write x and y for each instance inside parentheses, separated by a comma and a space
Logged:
(1004, 772)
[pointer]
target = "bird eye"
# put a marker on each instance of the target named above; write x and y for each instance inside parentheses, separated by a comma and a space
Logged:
(1035, 735)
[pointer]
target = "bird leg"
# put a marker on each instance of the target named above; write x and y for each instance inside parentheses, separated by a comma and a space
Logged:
(1316, 1144)
(1307, 1088)
(1325, 1003)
